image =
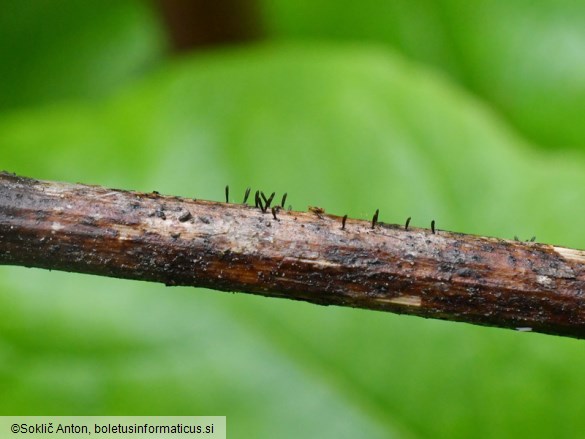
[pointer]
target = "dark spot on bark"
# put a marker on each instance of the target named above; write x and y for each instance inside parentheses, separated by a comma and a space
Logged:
(204, 219)
(446, 268)
(466, 272)
(553, 265)
(185, 216)
(41, 215)
(487, 248)
(88, 221)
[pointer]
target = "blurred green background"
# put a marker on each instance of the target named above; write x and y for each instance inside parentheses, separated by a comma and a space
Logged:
(469, 113)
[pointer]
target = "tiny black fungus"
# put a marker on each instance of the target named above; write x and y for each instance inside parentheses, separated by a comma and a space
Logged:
(246, 195)
(375, 218)
(283, 200)
(269, 200)
(433, 226)
(263, 207)
(257, 200)
(227, 194)
(319, 211)
(274, 209)
(407, 223)
(343, 220)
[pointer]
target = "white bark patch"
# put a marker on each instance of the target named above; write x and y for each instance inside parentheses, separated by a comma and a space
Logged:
(317, 262)
(55, 227)
(545, 281)
(403, 300)
(571, 254)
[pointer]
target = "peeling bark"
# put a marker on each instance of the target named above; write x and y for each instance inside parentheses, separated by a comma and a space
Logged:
(299, 255)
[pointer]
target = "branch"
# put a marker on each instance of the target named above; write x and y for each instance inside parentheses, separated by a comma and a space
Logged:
(310, 256)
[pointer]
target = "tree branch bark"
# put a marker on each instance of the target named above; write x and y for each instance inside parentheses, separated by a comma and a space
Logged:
(299, 255)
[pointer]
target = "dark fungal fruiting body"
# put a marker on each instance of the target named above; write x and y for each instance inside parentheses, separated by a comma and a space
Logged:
(375, 219)
(257, 201)
(267, 201)
(246, 195)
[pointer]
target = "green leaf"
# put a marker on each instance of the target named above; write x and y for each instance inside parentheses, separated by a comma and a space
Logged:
(347, 128)
(73, 50)
(525, 58)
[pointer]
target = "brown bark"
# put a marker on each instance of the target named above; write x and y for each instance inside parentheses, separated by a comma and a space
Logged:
(299, 255)
(202, 23)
